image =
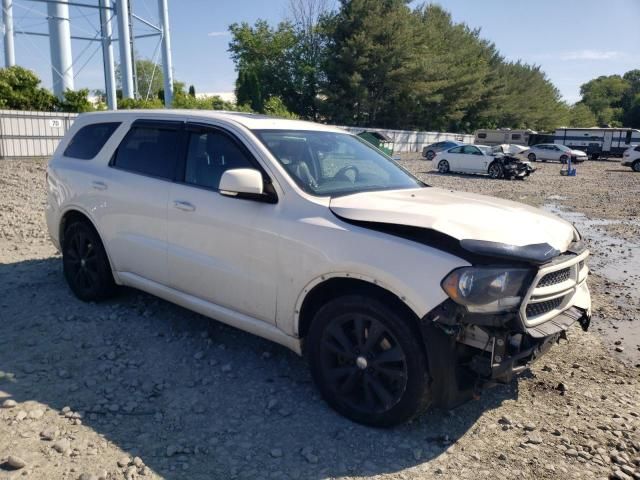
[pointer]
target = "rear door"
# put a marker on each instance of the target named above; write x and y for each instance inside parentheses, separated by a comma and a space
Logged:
(222, 249)
(455, 158)
(134, 218)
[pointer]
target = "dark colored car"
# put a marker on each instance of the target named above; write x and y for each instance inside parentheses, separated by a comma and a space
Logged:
(430, 151)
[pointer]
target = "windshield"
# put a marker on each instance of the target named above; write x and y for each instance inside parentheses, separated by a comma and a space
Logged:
(485, 149)
(331, 163)
(563, 148)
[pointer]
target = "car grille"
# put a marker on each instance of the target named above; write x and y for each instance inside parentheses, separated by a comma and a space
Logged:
(556, 277)
(536, 309)
(553, 289)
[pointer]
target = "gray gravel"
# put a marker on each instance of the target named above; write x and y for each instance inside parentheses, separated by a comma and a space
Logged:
(139, 388)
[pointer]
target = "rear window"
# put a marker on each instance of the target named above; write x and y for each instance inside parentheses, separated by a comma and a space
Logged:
(89, 140)
(149, 150)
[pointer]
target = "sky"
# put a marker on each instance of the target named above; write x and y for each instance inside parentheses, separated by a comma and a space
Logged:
(572, 40)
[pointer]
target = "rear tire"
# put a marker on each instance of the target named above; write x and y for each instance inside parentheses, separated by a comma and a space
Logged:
(367, 361)
(636, 166)
(85, 264)
(443, 166)
(430, 154)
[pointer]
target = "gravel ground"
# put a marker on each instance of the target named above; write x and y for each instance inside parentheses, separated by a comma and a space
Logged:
(139, 388)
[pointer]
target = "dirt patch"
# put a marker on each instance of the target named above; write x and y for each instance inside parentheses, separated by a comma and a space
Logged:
(139, 388)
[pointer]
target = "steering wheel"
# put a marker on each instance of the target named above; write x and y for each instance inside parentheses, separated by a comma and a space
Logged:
(342, 172)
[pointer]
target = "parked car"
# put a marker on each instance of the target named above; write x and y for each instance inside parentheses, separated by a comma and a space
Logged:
(509, 149)
(553, 152)
(631, 158)
(430, 151)
(481, 159)
(401, 296)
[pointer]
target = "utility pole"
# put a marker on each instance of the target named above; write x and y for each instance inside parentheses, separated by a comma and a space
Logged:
(107, 54)
(60, 45)
(167, 64)
(9, 49)
(124, 40)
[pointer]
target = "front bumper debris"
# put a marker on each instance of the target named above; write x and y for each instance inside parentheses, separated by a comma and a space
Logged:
(468, 352)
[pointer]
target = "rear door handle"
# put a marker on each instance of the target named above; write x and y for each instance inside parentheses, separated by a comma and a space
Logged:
(184, 206)
(99, 185)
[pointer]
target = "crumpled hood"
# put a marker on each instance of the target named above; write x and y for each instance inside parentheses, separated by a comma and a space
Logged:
(464, 216)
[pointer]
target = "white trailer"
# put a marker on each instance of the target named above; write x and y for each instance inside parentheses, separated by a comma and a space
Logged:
(598, 142)
(502, 136)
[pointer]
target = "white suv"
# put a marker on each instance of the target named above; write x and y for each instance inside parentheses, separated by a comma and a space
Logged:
(400, 295)
(631, 158)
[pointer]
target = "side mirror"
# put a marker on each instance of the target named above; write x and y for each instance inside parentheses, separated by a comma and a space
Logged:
(241, 181)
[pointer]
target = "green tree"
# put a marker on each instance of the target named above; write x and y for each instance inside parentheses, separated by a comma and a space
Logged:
(262, 56)
(603, 95)
(581, 116)
(76, 101)
(192, 91)
(20, 90)
(371, 60)
(275, 106)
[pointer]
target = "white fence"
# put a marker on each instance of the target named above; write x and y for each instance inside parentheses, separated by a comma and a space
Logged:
(32, 134)
(36, 134)
(412, 141)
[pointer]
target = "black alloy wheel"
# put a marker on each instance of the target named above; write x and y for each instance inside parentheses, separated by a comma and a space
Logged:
(367, 362)
(85, 264)
(532, 157)
(636, 166)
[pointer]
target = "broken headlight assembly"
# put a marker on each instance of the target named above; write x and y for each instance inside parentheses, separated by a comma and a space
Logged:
(485, 289)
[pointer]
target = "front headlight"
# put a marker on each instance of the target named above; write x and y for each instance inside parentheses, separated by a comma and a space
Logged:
(487, 290)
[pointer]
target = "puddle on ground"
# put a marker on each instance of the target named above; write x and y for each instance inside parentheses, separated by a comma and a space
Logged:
(618, 261)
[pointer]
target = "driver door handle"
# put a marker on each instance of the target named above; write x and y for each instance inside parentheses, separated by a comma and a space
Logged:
(184, 206)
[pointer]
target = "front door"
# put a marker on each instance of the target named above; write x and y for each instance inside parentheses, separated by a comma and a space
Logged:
(221, 249)
(473, 160)
(607, 141)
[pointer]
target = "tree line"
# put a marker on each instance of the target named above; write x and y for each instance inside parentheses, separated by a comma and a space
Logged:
(382, 63)
(377, 63)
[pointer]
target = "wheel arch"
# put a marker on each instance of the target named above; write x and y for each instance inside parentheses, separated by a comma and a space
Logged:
(327, 287)
(75, 213)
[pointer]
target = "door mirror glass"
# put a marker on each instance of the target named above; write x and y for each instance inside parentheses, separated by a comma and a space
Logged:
(241, 181)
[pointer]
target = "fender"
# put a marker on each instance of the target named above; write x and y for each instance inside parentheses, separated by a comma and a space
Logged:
(322, 278)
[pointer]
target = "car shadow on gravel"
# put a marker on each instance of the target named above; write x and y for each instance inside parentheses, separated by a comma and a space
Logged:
(193, 398)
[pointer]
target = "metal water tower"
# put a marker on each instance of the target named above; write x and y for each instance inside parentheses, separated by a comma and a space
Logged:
(59, 33)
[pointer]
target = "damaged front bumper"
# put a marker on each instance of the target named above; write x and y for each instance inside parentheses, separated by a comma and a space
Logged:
(468, 352)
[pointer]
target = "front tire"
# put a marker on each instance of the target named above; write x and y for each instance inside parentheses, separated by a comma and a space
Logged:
(367, 361)
(636, 166)
(85, 264)
(495, 170)
(443, 166)
(430, 155)
(532, 157)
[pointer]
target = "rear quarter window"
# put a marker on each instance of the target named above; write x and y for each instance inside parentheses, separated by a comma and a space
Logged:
(89, 140)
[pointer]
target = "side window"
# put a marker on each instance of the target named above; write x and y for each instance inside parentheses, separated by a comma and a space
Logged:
(149, 150)
(637, 149)
(516, 136)
(482, 135)
(471, 150)
(89, 140)
(210, 154)
(456, 150)
(627, 138)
